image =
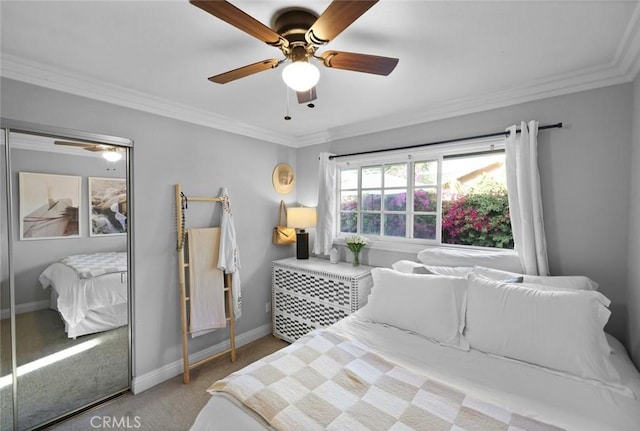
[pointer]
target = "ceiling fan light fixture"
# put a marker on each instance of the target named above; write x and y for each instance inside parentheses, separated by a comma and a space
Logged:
(300, 75)
(112, 155)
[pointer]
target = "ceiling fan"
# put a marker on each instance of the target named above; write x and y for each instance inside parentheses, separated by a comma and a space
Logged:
(299, 33)
(110, 152)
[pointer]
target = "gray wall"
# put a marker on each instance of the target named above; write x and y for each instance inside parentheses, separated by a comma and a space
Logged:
(633, 294)
(585, 171)
(203, 160)
(31, 257)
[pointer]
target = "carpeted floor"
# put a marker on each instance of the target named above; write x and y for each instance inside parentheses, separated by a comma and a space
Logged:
(172, 405)
(64, 384)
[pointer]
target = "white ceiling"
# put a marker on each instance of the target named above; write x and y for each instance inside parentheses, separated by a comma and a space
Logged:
(455, 57)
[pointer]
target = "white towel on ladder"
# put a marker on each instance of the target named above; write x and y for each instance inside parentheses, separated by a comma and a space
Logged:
(229, 260)
(206, 282)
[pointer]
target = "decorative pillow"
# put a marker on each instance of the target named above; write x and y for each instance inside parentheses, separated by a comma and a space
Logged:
(454, 271)
(506, 260)
(410, 267)
(429, 305)
(575, 282)
(561, 329)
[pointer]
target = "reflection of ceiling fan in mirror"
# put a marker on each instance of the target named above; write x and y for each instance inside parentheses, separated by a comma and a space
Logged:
(298, 33)
(109, 152)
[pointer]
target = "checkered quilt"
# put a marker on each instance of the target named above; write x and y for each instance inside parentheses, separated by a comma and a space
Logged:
(326, 382)
(96, 264)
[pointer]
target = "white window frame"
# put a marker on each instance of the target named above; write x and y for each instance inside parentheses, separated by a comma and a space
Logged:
(434, 152)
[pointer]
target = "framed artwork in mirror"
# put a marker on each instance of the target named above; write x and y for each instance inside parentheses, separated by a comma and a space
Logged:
(49, 206)
(107, 206)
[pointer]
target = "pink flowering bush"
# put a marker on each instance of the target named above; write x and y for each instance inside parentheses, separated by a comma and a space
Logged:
(478, 218)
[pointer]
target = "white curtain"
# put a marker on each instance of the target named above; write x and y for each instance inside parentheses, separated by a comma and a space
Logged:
(326, 209)
(525, 199)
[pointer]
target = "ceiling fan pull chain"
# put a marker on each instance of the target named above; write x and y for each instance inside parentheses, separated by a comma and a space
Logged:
(287, 117)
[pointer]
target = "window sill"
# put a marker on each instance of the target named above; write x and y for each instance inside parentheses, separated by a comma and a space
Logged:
(409, 247)
(413, 248)
(388, 246)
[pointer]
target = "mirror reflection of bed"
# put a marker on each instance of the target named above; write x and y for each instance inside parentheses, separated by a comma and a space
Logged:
(71, 293)
(89, 291)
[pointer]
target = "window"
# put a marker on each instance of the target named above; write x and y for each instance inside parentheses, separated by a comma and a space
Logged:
(446, 195)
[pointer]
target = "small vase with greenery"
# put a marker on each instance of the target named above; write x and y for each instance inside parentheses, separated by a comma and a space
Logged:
(355, 243)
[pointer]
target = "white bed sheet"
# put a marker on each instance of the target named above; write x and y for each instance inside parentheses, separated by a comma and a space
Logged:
(78, 299)
(555, 399)
(99, 320)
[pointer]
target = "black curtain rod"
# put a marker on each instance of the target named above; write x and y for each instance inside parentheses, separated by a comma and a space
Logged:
(448, 141)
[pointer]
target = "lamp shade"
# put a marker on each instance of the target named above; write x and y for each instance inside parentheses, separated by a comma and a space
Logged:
(301, 217)
(300, 75)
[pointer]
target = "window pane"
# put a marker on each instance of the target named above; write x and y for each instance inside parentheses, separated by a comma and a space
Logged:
(461, 174)
(395, 225)
(371, 177)
(424, 226)
(349, 222)
(425, 200)
(395, 200)
(348, 179)
(451, 198)
(395, 175)
(475, 206)
(371, 200)
(370, 224)
(349, 201)
(426, 173)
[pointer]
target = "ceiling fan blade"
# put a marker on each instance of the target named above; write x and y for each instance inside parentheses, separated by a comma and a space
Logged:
(359, 62)
(241, 20)
(74, 144)
(243, 71)
(307, 96)
(84, 145)
(89, 146)
(339, 15)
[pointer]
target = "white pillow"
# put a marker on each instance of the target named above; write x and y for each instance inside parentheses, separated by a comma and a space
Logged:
(506, 260)
(410, 267)
(429, 305)
(576, 282)
(407, 266)
(455, 271)
(561, 329)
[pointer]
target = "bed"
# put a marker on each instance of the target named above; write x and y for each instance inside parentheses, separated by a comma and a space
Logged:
(455, 348)
(89, 291)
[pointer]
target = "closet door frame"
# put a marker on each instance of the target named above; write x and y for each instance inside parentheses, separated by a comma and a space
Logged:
(16, 126)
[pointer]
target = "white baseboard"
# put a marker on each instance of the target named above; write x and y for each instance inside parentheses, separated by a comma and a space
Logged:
(5, 313)
(159, 375)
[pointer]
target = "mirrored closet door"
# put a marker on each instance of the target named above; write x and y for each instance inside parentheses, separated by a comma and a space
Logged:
(65, 273)
(6, 360)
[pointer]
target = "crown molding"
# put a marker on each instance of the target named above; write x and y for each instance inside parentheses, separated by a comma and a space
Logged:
(41, 143)
(588, 79)
(628, 53)
(19, 69)
(623, 68)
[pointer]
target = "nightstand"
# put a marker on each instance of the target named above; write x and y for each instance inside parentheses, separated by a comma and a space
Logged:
(313, 293)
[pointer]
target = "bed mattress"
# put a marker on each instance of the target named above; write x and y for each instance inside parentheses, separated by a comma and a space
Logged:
(87, 305)
(550, 397)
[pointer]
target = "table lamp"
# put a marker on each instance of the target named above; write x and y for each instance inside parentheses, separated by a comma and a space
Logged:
(301, 218)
